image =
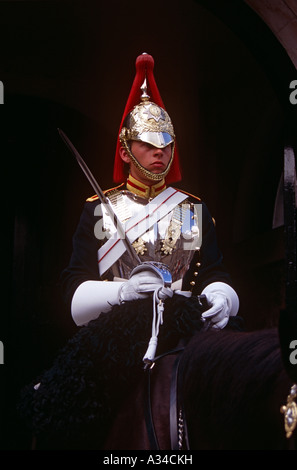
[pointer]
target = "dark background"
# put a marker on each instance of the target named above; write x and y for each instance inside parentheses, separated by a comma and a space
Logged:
(224, 79)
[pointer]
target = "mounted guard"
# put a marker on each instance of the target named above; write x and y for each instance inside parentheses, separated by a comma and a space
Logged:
(112, 292)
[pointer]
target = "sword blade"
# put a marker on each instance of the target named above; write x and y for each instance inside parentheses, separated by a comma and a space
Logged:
(103, 199)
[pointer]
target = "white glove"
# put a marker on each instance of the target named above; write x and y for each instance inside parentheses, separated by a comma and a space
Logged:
(224, 302)
(141, 285)
(93, 297)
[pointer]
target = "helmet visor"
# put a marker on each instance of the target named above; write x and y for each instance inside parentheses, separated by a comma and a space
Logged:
(157, 139)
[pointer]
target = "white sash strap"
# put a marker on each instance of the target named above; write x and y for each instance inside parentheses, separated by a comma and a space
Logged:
(137, 225)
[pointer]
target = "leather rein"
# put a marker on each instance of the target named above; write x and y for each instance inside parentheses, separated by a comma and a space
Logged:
(178, 427)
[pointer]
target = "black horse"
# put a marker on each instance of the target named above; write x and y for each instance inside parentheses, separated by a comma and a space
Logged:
(231, 385)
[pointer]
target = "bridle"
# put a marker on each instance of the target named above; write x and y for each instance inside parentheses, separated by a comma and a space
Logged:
(178, 426)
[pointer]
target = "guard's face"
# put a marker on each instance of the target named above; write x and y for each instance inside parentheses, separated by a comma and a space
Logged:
(151, 158)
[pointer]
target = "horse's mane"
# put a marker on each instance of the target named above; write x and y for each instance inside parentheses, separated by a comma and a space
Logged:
(78, 396)
(227, 377)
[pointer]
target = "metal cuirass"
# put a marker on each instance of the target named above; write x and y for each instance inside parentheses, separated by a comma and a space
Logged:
(172, 240)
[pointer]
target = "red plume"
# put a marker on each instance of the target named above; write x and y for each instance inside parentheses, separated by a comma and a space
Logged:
(144, 69)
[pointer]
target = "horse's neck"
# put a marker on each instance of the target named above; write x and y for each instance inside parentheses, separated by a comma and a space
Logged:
(129, 428)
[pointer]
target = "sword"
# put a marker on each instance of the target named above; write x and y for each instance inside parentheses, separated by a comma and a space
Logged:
(103, 199)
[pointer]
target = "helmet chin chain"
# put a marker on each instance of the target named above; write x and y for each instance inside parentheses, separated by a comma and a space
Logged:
(148, 174)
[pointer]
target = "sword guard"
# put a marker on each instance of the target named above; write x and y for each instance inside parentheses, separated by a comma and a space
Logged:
(159, 268)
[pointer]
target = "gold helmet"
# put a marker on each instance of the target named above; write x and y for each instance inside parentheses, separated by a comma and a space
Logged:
(149, 123)
(146, 121)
